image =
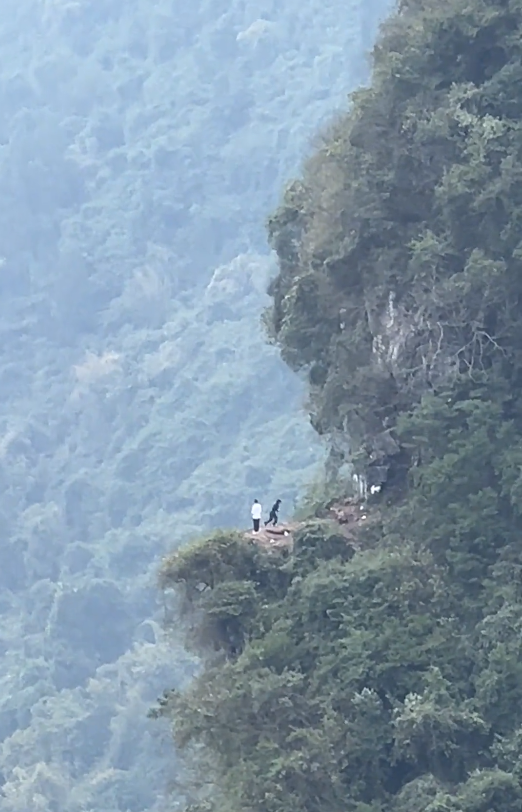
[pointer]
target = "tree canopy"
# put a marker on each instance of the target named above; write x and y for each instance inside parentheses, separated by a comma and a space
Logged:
(141, 147)
(390, 679)
(399, 248)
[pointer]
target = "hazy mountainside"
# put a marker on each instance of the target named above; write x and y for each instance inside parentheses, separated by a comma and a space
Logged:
(383, 671)
(141, 146)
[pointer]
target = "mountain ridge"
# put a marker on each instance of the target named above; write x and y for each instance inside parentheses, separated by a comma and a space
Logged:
(389, 678)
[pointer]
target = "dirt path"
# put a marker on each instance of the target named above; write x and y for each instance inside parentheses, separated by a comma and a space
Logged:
(348, 515)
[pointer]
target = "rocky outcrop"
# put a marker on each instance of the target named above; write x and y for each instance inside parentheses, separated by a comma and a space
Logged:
(348, 514)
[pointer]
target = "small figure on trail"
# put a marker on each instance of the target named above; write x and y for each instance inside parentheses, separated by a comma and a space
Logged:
(273, 513)
(256, 512)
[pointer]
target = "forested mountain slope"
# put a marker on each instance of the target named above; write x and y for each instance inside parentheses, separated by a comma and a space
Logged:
(383, 671)
(141, 146)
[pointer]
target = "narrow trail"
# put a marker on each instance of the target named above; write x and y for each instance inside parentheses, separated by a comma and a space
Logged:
(348, 514)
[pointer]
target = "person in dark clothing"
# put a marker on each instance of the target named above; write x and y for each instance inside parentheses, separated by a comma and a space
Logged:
(273, 513)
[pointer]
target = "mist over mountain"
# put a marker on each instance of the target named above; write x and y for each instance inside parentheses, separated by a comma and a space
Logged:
(366, 655)
(142, 147)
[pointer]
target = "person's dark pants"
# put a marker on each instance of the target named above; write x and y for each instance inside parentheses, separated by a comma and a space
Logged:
(256, 525)
(272, 518)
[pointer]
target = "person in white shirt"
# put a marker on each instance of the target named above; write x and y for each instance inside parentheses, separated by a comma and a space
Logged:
(257, 512)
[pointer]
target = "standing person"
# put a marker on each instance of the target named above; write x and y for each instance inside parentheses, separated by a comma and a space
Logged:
(273, 514)
(257, 512)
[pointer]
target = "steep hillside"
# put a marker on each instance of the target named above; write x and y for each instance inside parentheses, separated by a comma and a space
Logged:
(141, 146)
(381, 670)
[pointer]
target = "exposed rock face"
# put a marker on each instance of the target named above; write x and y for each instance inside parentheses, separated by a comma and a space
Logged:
(409, 345)
(412, 343)
(411, 352)
(390, 330)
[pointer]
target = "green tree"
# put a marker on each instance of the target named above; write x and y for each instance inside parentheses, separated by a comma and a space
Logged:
(385, 674)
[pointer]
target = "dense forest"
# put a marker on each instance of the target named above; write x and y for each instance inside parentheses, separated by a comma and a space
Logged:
(379, 667)
(142, 146)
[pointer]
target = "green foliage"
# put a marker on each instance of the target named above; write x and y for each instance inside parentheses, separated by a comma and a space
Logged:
(359, 679)
(320, 540)
(223, 578)
(433, 730)
(390, 678)
(403, 271)
(461, 503)
(141, 146)
(354, 678)
(320, 495)
(212, 560)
